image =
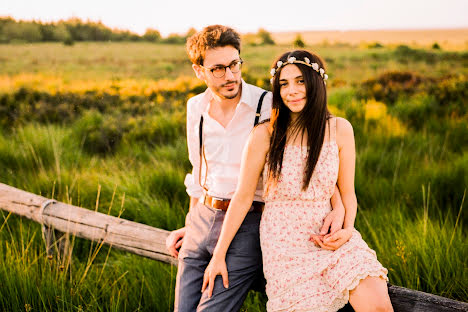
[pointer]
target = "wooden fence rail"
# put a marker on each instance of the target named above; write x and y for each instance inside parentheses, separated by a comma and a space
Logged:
(149, 242)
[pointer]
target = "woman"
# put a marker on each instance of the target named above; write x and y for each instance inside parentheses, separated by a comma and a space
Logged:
(305, 152)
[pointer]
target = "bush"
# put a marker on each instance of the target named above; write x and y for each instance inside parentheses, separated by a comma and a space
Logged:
(298, 42)
(265, 37)
(174, 39)
(389, 86)
(157, 129)
(451, 96)
(68, 41)
(152, 35)
(404, 54)
(99, 134)
(375, 45)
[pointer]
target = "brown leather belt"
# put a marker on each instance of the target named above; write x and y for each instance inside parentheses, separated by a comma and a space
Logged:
(223, 204)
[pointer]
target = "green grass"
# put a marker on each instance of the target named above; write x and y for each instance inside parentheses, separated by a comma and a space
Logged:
(100, 61)
(129, 152)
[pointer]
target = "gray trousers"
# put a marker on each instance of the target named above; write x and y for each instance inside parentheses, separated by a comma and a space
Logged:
(243, 261)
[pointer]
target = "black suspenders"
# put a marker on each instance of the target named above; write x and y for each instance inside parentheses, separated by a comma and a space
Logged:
(259, 108)
(200, 136)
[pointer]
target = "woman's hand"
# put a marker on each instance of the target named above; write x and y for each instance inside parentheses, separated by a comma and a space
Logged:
(332, 241)
(217, 266)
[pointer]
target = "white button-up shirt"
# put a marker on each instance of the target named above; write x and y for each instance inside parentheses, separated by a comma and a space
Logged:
(223, 146)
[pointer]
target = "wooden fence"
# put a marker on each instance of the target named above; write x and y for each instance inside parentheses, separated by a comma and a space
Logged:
(147, 241)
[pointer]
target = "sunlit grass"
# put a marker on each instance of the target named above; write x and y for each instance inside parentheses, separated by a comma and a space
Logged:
(128, 154)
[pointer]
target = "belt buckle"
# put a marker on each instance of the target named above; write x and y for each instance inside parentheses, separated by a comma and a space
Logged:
(218, 203)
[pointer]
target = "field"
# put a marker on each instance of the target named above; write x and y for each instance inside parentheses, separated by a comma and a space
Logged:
(102, 126)
(453, 39)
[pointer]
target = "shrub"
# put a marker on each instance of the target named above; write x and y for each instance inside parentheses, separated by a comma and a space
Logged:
(451, 96)
(265, 37)
(298, 42)
(404, 54)
(389, 86)
(68, 41)
(157, 129)
(152, 35)
(99, 134)
(375, 45)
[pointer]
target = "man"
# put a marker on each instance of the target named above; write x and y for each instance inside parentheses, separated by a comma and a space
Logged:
(219, 122)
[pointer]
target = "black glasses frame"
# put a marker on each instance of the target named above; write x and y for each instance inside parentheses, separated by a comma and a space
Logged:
(230, 66)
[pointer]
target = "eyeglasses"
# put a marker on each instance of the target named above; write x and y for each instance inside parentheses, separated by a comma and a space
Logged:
(220, 70)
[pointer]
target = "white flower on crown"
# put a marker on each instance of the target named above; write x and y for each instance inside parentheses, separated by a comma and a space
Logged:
(307, 60)
(291, 59)
(279, 64)
(325, 77)
(273, 71)
(315, 66)
(322, 71)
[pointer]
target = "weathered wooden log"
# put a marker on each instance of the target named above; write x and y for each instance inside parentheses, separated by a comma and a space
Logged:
(149, 242)
(131, 236)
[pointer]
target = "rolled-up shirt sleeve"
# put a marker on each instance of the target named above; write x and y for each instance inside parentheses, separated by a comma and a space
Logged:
(192, 182)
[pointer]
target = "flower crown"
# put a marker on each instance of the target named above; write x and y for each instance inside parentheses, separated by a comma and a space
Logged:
(293, 60)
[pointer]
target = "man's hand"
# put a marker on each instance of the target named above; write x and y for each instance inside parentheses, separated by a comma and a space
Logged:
(333, 221)
(332, 241)
(174, 241)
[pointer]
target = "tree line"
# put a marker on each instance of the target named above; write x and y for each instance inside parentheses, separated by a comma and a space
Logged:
(74, 29)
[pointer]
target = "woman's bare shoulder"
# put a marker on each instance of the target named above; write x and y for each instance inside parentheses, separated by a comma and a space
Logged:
(343, 127)
(260, 135)
(344, 132)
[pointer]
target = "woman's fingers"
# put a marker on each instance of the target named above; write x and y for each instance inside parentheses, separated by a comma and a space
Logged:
(211, 285)
(224, 274)
(205, 281)
(209, 279)
(333, 237)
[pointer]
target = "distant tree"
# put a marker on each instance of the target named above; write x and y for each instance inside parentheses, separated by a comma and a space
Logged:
(152, 35)
(174, 39)
(68, 41)
(298, 42)
(192, 31)
(265, 37)
(60, 33)
(73, 28)
(23, 31)
(436, 46)
(375, 45)
(250, 39)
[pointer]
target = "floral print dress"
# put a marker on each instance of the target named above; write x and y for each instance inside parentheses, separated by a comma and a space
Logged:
(301, 276)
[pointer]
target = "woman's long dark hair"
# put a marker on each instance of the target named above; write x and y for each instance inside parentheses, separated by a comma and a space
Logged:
(311, 120)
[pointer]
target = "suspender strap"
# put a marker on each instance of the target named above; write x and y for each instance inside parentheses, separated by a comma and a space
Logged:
(202, 151)
(200, 135)
(259, 108)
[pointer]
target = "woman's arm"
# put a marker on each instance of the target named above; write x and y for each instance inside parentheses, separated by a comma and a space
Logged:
(253, 160)
(347, 152)
(347, 156)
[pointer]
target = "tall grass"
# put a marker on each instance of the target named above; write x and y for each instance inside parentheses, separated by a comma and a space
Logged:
(124, 153)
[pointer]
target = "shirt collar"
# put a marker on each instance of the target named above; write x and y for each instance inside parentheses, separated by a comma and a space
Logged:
(246, 97)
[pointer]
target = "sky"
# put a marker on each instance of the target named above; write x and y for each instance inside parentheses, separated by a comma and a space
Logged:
(177, 16)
